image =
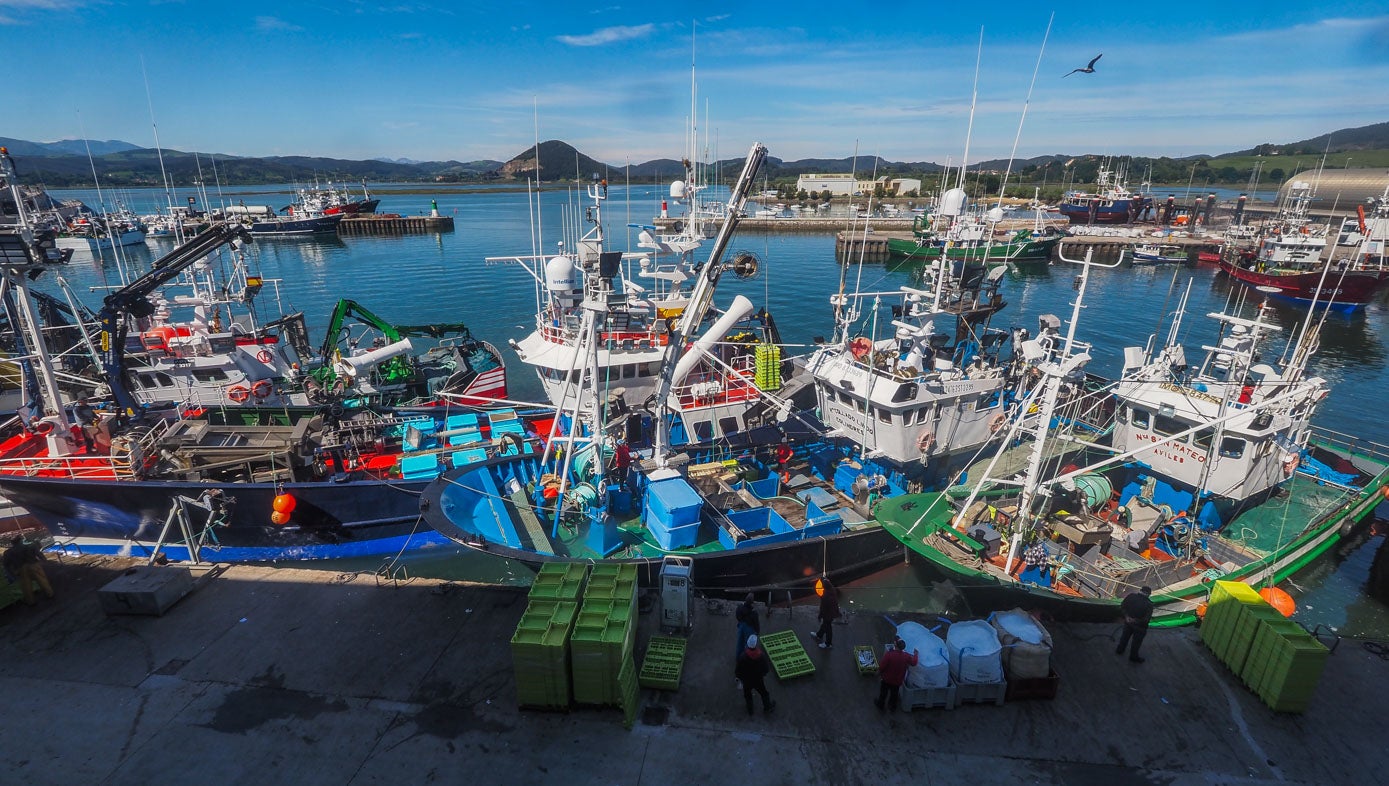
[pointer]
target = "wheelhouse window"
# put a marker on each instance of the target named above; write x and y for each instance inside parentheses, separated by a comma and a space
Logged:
(209, 375)
(1203, 438)
(884, 415)
(1168, 426)
(1141, 418)
(1232, 447)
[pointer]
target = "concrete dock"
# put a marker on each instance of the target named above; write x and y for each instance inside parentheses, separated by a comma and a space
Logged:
(279, 675)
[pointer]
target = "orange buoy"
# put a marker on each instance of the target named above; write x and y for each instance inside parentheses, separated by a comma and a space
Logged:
(1279, 600)
(1201, 611)
(1384, 491)
(820, 587)
(284, 503)
(279, 519)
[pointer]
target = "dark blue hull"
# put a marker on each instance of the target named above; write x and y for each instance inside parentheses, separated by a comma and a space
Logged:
(322, 225)
(352, 518)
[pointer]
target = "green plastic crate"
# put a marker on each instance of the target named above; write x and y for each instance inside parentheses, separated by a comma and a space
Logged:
(787, 654)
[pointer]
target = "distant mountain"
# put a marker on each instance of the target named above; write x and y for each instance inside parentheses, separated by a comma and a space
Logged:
(558, 161)
(1371, 137)
(118, 163)
(66, 147)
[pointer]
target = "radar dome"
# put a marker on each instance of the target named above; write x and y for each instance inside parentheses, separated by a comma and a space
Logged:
(677, 189)
(953, 202)
(995, 215)
(560, 274)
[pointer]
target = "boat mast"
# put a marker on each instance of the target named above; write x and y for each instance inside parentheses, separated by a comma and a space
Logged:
(24, 260)
(1055, 372)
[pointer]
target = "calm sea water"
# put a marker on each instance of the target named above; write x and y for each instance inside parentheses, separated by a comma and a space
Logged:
(445, 278)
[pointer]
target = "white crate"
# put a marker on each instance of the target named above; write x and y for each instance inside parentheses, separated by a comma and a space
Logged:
(928, 698)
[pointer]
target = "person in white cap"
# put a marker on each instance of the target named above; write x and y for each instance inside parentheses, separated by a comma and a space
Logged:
(753, 666)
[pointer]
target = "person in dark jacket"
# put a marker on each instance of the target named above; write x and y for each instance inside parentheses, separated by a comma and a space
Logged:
(753, 665)
(892, 672)
(748, 624)
(1138, 612)
(829, 612)
(24, 561)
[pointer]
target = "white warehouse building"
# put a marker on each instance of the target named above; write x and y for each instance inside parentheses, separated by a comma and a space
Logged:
(846, 185)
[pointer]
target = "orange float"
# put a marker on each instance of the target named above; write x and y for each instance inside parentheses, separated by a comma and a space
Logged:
(1279, 600)
(284, 503)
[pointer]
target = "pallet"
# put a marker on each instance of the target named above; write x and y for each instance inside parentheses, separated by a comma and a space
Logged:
(928, 698)
(981, 692)
(787, 654)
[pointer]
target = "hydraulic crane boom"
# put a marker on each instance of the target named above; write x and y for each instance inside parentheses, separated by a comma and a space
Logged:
(133, 300)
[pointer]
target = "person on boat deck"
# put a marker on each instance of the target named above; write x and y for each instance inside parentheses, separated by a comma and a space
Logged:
(783, 456)
(622, 459)
(1035, 560)
(86, 418)
(1138, 612)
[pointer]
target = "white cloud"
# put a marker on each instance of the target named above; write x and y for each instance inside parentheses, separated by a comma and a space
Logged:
(608, 35)
(275, 23)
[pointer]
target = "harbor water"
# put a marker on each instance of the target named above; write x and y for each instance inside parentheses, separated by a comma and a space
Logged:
(445, 277)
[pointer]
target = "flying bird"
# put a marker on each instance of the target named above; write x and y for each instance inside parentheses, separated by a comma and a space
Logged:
(1089, 68)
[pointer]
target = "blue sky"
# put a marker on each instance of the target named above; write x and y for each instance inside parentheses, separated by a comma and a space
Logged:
(423, 80)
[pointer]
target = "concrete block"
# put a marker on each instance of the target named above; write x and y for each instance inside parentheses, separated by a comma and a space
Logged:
(149, 590)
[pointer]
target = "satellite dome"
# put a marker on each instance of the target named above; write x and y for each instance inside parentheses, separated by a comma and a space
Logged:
(953, 202)
(677, 189)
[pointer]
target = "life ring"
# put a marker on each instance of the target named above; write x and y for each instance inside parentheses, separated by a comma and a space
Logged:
(238, 393)
(43, 427)
(860, 346)
(997, 422)
(925, 440)
(262, 388)
(264, 356)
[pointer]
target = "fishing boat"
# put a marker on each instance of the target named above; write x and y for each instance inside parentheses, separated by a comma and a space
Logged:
(719, 394)
(1159, 253)
(749, 513)
(918, 404)
(1110, 203)
(341, 481)
(959, 235)
(339, 201)
(1206, 471)
(1287, 261)
(306, 217)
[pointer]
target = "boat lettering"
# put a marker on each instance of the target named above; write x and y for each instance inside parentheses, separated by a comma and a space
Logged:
(1172, 451)
(850, 421)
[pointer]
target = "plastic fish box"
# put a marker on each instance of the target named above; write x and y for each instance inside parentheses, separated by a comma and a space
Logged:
(673, 503)
(1033, 688)
(866, 659)
(929, 698)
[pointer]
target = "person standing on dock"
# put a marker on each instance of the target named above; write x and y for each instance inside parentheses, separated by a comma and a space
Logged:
(892, 672)
(829, 612)
(752, 671)
(748, 623)
(24, 562)
(1138, 612)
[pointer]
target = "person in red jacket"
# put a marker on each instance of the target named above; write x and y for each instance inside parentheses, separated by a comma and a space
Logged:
(892, 672)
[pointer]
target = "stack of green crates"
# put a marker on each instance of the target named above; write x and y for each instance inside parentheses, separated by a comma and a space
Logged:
(665, 659)
(1284, 665)
(1227, 603)
(559, 581)
(767, 366)
(540, 653)
(604, 637)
